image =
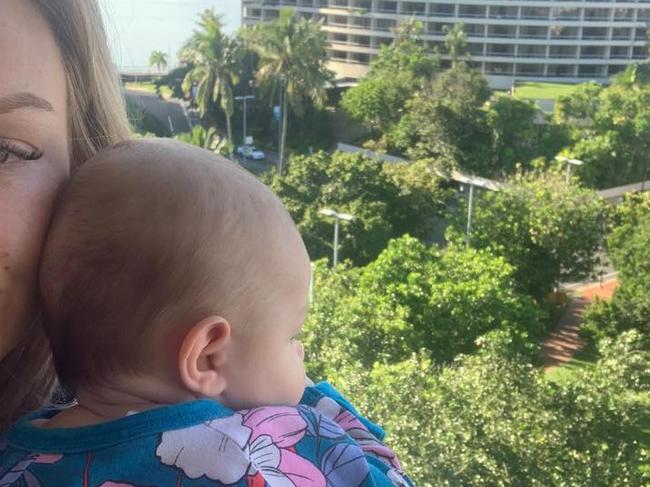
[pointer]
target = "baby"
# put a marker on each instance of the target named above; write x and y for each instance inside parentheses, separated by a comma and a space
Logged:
(175, 286)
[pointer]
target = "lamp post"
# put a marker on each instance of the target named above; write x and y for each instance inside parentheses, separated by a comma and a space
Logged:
(245, 100)
(470, 207)
(283, 82)
(472, 182)
(569, 163)
(337, 218)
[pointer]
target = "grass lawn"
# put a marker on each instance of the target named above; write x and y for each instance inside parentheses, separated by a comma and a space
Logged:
(149, 88)
(543, 91)
(587, 357)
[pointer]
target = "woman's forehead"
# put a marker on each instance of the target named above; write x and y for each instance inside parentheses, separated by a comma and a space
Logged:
(30, 61)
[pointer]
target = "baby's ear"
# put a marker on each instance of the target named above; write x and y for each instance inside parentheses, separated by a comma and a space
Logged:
(202, 355)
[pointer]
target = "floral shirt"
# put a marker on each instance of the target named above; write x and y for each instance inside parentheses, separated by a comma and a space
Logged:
(323, 442)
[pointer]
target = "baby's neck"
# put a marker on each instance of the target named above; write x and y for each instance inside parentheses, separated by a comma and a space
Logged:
(104, 403)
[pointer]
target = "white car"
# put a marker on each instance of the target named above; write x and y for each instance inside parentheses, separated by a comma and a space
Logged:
(251, 152)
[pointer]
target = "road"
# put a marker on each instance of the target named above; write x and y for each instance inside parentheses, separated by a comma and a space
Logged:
(168, 112)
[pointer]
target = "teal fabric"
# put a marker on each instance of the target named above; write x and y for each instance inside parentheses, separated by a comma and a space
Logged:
(323, 442)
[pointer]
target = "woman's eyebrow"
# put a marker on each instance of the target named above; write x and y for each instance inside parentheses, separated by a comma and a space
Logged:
(21, 101)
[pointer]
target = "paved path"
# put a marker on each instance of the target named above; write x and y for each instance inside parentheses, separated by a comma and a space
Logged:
(565, 341)
(168, 112)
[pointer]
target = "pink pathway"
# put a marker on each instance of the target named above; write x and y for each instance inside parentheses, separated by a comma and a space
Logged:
(565, 341)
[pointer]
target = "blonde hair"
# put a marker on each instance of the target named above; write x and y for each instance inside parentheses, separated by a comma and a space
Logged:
(97, 118)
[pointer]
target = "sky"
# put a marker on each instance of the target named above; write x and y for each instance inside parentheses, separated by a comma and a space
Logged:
(137, 27)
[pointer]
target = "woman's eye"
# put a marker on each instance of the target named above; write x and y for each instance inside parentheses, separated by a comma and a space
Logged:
(13, 151)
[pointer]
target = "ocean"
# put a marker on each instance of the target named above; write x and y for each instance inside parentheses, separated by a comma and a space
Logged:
(138, 27)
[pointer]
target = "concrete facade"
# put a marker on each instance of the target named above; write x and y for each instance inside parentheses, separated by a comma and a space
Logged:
(552, 40)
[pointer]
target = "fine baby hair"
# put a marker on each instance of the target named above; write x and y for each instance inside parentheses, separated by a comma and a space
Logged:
(150, 236)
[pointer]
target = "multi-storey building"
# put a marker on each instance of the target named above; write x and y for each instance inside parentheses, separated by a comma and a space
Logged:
(551, 40)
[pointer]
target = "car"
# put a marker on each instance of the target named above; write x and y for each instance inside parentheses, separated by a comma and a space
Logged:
(251, 152)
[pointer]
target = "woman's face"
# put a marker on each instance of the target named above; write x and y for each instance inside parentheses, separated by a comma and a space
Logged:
(34, 157)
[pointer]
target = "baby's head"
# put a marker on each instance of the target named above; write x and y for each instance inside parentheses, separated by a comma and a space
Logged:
(165, 261)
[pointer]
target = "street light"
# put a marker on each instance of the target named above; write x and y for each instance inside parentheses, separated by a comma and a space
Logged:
(283, 82)
(245, 100)
(569, 163)
(472, 181)
(337, 218)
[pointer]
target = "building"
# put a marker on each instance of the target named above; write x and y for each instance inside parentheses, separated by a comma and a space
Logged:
(552, 40)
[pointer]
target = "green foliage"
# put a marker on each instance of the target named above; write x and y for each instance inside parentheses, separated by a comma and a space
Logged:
(611, 133)
(143, 122)
(215, 58)
(353, 184)
(580, 107)
(174, 79)
(626, 219)
(548, 230)
(296, 48)
(416, 298)
(314, 130)
(629, 250)
(206, 139)
(446, 121)
(455, 42)
(490, 420)
(378, 102)
(398, 71)
(292, 63)
(514, 133)
(158, 59)
(453, 122)
(634, 76)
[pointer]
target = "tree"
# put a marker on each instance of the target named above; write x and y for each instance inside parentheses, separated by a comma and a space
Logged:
(215, 60)
(628, 247)
(416, 298)
(398, 71)
(455, 42)
(206, 139)
(159, 60)
(635, 76)
(354, 184)
(548, 230)
(174, 80)
(610, 130)
(446, 121)
(493, 420)
(292, 49)
(514, 133)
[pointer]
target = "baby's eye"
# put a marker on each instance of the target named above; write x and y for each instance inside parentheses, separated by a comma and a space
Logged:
(297, 337)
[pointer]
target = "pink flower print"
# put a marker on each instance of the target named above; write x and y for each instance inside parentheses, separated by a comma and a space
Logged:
(357, 431)
(217, 449)
(47, 458)
(243, 446)
(283, 424)
(19, 470)
(275, 430)
(397, 478)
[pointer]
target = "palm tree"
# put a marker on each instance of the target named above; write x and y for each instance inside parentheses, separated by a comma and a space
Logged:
(292, 52)
(158, 59)
(215, 57)
(455, 42)
(206, 139)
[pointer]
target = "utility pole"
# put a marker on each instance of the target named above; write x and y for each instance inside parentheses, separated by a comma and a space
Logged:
(283, 82)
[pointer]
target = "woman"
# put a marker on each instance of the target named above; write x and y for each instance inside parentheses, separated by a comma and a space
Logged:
(59, 103)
